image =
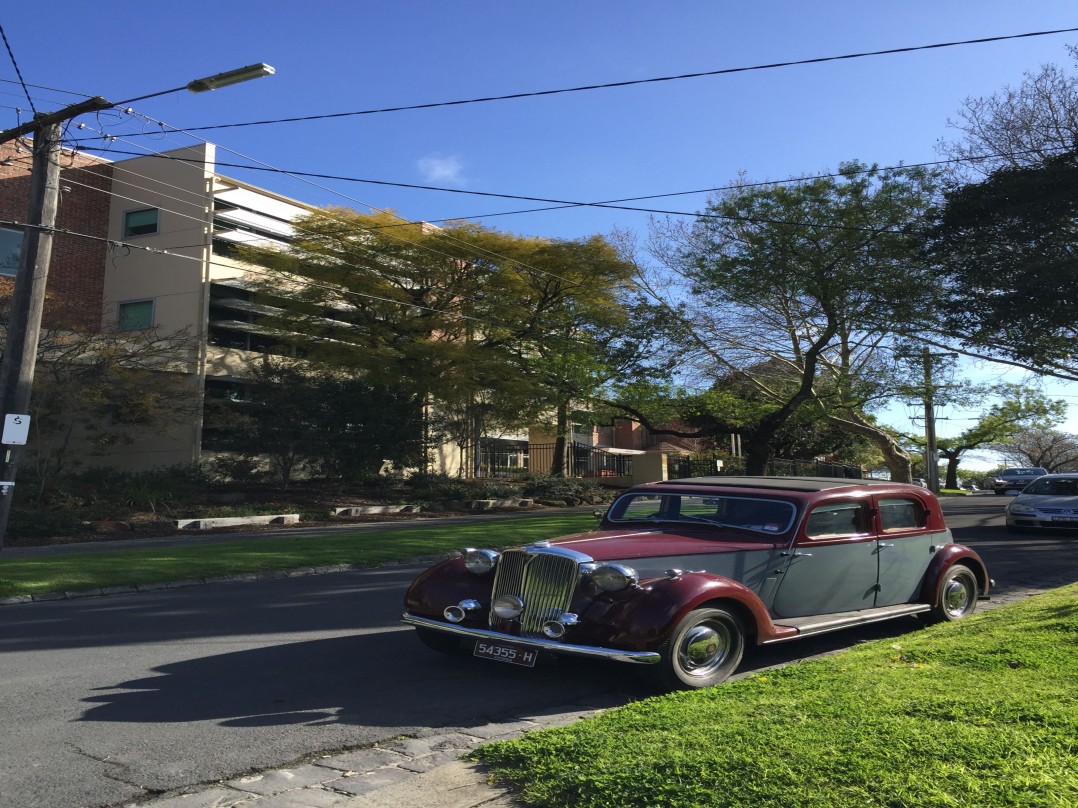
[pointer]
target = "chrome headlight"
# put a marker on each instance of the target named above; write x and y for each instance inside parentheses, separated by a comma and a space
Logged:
(1021, 508)
(479, 562)
(613, 577)
(507, 607)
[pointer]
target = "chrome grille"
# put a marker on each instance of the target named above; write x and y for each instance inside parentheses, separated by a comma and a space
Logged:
(544, 578)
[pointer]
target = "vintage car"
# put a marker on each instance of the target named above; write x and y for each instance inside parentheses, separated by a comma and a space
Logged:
(680, 576)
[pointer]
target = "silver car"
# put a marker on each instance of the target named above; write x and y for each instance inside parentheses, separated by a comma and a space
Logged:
(1049, 502)
(1015, 479)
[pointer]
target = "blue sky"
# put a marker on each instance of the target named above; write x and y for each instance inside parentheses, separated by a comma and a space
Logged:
(668, 137)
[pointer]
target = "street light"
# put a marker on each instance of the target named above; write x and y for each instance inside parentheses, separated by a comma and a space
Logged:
(28, 297)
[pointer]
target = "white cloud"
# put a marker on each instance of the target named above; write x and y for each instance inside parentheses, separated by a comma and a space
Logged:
(442, 168)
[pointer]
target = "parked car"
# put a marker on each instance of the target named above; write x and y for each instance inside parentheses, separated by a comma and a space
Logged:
(1015, 479)
(920, 481)
(681, 576)
(1049, 502)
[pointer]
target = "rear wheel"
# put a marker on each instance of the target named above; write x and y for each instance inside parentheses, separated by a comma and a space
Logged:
(704, 649)
(957, 594)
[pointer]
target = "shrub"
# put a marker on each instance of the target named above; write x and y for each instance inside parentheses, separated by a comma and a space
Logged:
(566, 489)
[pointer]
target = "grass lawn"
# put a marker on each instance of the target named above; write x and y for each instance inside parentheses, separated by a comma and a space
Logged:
(978, 713)
(72, 572)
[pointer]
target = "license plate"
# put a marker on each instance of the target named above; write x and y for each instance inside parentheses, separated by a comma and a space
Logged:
(1065, 518)
(506, 653)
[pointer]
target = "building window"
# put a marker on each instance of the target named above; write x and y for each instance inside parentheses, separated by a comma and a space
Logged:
(10, 246)
(140, 222)
(136, 315)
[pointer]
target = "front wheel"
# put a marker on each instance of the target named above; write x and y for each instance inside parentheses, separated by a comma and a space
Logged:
(704, 649)
(957, 594)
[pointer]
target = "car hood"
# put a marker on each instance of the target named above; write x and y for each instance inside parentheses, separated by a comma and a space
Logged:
(1047, 501)
(626, 545)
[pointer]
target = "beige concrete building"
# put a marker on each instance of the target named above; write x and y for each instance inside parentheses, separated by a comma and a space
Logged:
(177, 218)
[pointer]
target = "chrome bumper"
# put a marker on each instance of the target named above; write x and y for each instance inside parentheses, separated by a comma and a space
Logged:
(639, 657)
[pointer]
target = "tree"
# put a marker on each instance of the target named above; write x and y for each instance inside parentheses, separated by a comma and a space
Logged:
(1021, 126)
(331, 423)
(96, 389)
(1020, 410)
(486, 326)
(814, 277)
(1046, 448)
(1006, 250)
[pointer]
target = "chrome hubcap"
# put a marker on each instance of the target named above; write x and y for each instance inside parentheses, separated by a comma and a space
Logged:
(956, 597)
(703, 648)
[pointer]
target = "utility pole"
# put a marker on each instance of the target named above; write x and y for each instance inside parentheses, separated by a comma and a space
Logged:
(931, 464)
(28, 298)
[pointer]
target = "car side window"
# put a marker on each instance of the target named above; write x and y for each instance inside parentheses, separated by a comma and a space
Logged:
(836, 519)
(901, 514)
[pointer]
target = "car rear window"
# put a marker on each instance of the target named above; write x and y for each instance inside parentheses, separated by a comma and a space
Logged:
(901, 514)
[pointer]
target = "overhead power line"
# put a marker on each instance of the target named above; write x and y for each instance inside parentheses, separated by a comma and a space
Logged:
(18, 72)
(634, 82)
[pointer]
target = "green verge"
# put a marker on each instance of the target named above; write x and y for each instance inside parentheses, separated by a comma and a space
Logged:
(81, 571)
(979, 713)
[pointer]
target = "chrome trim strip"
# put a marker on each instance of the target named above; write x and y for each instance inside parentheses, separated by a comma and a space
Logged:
(543, 548)
(821, 624)
(639, 657)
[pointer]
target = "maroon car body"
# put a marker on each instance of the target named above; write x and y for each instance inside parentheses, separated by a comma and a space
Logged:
(681, 576)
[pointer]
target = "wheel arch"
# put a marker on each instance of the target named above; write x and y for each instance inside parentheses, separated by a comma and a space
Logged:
(948, 557)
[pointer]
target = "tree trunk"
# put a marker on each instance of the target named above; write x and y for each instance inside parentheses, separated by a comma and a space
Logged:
(557, 462)
(897, 459)
(952, 469)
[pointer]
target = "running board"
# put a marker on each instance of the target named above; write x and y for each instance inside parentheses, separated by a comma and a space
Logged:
(821, 624)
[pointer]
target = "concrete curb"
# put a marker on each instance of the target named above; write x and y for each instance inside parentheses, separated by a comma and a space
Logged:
(157, 586)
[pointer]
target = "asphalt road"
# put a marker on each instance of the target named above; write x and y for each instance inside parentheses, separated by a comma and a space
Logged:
(107, 699)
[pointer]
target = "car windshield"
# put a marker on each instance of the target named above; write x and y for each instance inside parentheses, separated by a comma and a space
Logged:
(1024, 472)
(754, 514)
(1059, 486)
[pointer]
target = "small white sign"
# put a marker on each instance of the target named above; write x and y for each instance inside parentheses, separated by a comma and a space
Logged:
(16, 429)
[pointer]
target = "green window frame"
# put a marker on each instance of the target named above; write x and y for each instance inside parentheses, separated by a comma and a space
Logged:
(135, 315)
(141, 222)
(10, 247)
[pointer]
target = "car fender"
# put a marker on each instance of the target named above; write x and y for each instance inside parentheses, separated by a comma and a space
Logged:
(945, 558)
(643, 618)
(444, 584)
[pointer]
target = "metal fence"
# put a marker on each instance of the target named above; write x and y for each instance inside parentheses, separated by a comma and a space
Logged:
(581, 460)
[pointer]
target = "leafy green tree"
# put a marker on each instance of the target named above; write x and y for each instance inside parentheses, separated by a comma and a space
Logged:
(488, 327)
(94, 390)
(813, 277)
(1006, 250)
(1020, 410)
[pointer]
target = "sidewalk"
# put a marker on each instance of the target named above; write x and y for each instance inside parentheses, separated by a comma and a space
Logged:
(422, 772)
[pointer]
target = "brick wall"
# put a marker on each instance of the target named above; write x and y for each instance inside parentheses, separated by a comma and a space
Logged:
(75, 288)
